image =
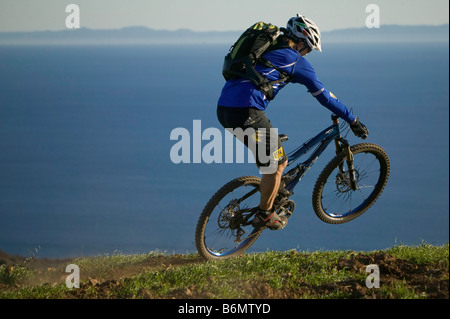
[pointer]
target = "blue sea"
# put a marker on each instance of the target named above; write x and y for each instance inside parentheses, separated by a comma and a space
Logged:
(85, 165)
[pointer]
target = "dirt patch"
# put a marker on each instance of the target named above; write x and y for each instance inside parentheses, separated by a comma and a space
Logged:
(424, 280)
(53, 271)
(431, 280)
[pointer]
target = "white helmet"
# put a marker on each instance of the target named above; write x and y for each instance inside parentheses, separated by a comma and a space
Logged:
(302, 28)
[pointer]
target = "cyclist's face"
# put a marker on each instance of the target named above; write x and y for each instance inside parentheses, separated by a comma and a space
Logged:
(303, 49)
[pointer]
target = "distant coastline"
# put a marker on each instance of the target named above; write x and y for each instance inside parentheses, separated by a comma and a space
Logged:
(144, 35)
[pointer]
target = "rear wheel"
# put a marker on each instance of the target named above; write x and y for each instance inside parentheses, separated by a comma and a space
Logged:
(334, 200)
(224, 228)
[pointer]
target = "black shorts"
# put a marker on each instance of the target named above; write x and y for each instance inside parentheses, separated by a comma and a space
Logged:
(244, 118)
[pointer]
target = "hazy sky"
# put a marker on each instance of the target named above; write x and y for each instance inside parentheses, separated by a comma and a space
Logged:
(202, 15)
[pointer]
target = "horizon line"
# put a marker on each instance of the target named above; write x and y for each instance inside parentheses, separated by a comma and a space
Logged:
(216, 31)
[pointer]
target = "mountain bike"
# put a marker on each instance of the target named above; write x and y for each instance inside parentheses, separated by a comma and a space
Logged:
(346, 188)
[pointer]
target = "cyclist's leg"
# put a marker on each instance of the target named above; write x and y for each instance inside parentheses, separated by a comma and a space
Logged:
(245, 118)
(271, 179)
(272, 172)
(265, 216)
(270, 183)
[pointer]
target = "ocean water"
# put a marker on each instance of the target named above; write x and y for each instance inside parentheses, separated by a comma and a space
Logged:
(85, 164)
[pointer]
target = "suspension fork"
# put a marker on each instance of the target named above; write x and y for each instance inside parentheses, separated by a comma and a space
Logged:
(343, 145)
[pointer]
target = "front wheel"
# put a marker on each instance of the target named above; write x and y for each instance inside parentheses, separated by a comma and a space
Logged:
(335, 201)
(224, 228)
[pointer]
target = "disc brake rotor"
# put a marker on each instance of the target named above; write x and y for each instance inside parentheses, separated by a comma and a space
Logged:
(343, 184)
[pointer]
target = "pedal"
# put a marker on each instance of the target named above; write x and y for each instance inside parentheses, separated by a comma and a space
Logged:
(284, 221)
(286, 209)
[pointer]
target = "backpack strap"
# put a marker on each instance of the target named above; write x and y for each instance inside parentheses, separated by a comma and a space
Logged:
(284, 75)
(265, 85)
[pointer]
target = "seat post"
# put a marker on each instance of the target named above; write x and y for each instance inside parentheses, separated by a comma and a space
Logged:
(283, 137)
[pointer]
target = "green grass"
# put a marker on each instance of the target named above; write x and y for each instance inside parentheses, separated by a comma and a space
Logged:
(422, 254)
(272, 274)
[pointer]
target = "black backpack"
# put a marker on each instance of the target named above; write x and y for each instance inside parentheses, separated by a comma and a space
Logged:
(248, 51)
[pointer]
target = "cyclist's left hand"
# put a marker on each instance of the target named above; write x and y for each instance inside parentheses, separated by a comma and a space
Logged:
(359, 129)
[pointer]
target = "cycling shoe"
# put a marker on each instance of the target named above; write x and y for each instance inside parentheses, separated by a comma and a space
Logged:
(269, 220)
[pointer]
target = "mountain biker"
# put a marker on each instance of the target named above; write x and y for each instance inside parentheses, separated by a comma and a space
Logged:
(242, 105)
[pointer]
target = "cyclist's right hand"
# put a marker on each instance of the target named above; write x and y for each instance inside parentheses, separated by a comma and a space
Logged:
(359, 129)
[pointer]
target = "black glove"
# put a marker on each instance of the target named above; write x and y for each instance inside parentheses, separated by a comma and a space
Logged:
(359, 129)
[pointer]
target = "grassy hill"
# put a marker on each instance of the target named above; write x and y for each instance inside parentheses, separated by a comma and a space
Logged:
(412, 272)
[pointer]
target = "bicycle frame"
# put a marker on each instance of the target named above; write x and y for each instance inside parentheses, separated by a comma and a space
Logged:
(323, 140)
(292, 177)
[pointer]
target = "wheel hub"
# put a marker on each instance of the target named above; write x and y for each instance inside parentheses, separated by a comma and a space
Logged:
(230, 216)
(343, 183)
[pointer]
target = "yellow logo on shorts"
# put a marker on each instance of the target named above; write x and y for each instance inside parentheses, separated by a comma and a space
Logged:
(277, 155)
(257, 136)
(333, 96)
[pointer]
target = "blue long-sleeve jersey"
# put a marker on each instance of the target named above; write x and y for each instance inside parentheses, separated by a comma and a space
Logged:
(243, 93)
